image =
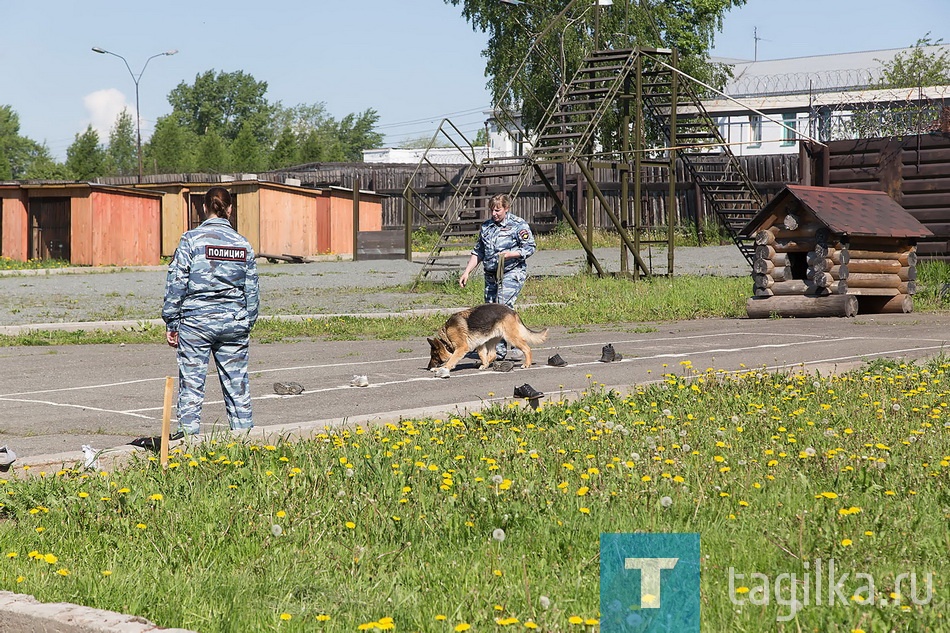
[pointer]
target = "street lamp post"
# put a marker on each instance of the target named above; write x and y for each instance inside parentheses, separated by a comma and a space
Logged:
(136, 79)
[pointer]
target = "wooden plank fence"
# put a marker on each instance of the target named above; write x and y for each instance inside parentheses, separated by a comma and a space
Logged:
(770, 173)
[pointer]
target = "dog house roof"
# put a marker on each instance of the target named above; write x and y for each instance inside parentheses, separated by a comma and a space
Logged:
(845, 212)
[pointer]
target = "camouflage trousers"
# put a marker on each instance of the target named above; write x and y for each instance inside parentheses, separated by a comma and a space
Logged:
(226, 340)
(508, 290)
(505, 293)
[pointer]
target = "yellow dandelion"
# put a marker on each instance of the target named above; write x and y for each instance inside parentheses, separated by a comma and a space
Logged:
(349, 525)
(285, 616)
(62, 572)
(83, 495)
(323, 617)
(462, 626)
(141, 526)
(582, 491)
(530, 625)
(52, 559)
(575, 619)
(584, 510)
(106, 572)
(156, 497)
(281, 514)
(440, 617)
(846, 542)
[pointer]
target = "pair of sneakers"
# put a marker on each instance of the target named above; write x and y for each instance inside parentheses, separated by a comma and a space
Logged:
(288, 388)
(609, 355)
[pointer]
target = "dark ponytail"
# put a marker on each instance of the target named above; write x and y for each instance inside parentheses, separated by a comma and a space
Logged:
(217, 201)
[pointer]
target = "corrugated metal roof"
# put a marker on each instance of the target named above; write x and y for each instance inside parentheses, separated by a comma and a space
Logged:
(852, 212)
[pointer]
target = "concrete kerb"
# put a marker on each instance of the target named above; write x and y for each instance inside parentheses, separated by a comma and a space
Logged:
(21, 613)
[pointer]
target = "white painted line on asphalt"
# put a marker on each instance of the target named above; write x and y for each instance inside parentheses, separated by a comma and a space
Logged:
(100, 386)
(75, 406)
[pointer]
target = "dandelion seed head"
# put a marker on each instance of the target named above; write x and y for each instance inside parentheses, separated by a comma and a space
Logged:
(276, 530)
(545, 602)
(497, 479)
(666, 502)
(498, 534)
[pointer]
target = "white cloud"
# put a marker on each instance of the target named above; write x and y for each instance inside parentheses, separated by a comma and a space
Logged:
(103, 106)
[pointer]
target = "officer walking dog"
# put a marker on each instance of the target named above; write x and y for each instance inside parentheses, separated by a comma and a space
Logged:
(505, 242)
(211, 304)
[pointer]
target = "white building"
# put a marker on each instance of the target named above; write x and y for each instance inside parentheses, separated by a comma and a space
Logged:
(825, 97)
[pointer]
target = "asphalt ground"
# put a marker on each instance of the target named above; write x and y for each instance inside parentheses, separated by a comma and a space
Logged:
(55, 399)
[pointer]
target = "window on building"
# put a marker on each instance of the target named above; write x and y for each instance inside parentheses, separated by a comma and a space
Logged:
(789, 134)
(755, 130)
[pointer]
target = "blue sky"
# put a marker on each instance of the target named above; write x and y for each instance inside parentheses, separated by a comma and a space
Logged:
(413, 61)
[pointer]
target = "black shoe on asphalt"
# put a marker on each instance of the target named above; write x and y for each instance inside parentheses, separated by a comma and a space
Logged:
(155, 443)
(608, 355)
(556, 361)
(501, 365)
(527, 391)
(288, 388)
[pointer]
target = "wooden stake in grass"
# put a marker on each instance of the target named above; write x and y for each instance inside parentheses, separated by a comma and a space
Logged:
(166, 420)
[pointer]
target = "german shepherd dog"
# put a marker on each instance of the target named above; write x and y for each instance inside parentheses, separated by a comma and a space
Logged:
(481, 328)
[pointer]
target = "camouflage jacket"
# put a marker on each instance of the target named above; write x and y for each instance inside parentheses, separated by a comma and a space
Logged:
(512, 234)
(214, 273)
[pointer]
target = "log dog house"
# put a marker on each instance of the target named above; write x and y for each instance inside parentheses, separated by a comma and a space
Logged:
(824, 251)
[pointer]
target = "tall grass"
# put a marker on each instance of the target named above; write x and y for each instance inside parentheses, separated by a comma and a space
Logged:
(492, 521)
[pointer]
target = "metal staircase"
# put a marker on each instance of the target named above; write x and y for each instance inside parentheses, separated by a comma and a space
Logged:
(694, 135)
(468, 208)
(567, 130)
(602, 91)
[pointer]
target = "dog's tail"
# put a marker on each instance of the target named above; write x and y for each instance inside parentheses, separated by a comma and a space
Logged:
(532, 337)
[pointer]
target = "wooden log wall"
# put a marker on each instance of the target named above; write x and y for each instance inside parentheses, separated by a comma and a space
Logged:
(913, 170)
(789, 265)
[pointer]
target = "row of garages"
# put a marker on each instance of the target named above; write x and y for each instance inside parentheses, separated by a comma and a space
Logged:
(91, 224)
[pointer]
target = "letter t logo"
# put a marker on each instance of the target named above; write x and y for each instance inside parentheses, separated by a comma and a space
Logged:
(649, 578)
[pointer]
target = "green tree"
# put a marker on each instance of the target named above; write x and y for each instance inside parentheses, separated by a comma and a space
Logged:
(212, 154)
(171, 148)
(85, 158)
(559, 36)
(224, 102)
(356, 133)
(246, 153)
(917, 67)
(22, 157)
(41, 165)
(319, 147)
(285, 150)
(121, 155)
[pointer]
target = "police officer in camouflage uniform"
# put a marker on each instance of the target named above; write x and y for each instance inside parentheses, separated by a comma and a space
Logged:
(211, 304)
(504, 240)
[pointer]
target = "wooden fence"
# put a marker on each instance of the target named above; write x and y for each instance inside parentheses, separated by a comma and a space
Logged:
(769, 173)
